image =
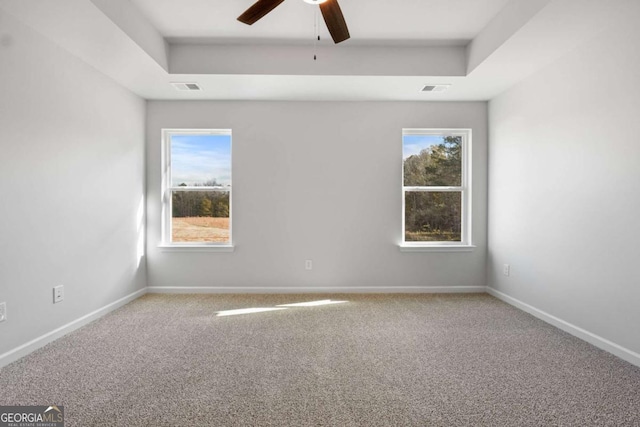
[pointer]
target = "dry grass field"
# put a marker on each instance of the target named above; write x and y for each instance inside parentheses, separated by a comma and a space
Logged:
(433, 236)
(200, 229)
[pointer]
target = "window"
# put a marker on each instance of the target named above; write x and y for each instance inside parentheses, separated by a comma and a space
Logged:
(197, 188)
(436, 202)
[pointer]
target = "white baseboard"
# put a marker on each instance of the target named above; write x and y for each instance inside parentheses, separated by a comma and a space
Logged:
(602, 343)
(316, 290)
(23, 350)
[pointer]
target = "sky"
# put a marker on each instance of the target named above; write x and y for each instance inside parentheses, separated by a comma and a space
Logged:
(414, 144)
(196, 159)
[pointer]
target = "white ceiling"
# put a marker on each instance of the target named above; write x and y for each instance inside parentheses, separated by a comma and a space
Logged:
(380, 21)
(480, 47)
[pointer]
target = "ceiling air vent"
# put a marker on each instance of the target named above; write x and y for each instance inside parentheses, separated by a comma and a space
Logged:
(435, 88)
(186, 86)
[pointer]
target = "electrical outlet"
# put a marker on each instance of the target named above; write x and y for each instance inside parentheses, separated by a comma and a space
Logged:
(506, 269)
(308, 265)
(3, 311)
(58, 294)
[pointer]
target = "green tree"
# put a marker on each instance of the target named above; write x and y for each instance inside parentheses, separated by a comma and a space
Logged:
(205, 208)
(222, 208)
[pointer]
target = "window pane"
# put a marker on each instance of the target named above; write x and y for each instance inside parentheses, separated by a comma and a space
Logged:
(432, 160)
(200, 160)
(200, 216)
(433, 217)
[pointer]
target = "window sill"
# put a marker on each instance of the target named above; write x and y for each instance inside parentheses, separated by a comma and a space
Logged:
(437, 248)
(196, 248)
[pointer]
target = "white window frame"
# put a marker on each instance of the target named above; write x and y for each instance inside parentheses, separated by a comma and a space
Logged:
(168, 189)
(465, 189)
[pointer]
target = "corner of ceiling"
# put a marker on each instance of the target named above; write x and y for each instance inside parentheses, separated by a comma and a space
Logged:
(137, 27)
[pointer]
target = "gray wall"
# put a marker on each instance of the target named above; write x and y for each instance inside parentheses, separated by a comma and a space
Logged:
(565, 187)
(320, 181)
(71, 181)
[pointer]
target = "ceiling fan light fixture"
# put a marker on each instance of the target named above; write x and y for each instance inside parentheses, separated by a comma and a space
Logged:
(331, 13)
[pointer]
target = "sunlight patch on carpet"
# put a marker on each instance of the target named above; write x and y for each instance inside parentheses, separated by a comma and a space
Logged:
(313, 303)
(278, 307)
(247, 311)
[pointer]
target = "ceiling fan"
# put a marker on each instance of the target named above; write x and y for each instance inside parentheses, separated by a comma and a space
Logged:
(330, 9)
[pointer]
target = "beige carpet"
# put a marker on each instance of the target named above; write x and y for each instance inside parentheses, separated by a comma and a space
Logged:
(377, 360)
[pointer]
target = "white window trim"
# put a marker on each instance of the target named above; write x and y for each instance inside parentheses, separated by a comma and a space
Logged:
(167, 189)
(465, 245)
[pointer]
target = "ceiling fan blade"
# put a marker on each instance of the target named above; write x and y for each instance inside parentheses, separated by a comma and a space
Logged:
(335, 20)
(258, 10)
